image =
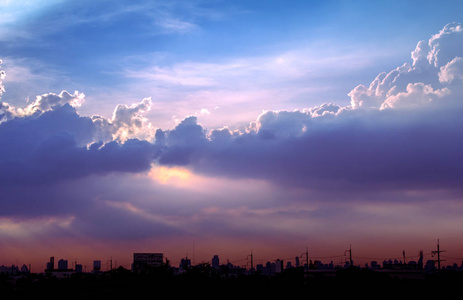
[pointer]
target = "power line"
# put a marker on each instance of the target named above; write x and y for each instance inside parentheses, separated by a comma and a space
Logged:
(452, 257)
(392, 257)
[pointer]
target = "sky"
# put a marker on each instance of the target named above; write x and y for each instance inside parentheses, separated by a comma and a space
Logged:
(196, 128)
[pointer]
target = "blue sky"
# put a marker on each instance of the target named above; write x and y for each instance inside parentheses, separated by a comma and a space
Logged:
(121, 52)
(132, 126)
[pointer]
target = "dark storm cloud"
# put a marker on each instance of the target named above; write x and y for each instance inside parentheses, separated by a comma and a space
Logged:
(367, 151)
(53, 146)
(181, 146)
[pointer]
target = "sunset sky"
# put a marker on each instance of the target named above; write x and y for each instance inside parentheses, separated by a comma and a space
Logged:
(204, 127)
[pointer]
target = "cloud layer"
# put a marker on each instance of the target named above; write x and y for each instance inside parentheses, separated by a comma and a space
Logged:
(406, 120)
(400, 134)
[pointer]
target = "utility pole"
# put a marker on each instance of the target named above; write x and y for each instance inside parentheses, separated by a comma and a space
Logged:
(306, 258)
(252, 263)
(350, 256)
(438, 252)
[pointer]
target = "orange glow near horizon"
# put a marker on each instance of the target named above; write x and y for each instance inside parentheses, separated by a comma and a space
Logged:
(198, 248)
(221, 217)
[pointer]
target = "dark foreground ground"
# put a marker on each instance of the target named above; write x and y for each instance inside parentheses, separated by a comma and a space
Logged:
(161, 284)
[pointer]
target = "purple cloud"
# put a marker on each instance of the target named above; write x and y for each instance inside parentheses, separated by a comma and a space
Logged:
(403, 129)
(53, 146)
(402, 132)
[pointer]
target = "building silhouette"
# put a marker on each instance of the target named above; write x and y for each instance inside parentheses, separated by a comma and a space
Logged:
(96, 266)
(62, 264)
(51, 264)
(144, 261)
(79, 268)
(215, 262)
(185, 264)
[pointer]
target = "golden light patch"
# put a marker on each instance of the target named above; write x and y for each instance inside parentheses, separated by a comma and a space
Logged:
(167, 175)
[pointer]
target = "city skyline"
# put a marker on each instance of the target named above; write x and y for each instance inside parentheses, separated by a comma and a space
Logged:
(347, 257)
(230, 127)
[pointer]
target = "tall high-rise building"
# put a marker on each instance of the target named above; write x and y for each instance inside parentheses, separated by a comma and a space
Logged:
(79, 268)
(62, 264)
(278, 266)
(185, 263)
(51, 264)
(215, 262)
(96, 265)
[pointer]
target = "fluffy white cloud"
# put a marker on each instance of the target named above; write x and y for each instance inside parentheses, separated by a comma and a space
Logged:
(48, 101)
(2, 76)
(435, 64)
(416, 94)
(6, 110)
(445, 45)
(42, 103)
(453, 70)
(128, 121)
